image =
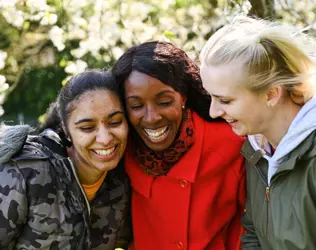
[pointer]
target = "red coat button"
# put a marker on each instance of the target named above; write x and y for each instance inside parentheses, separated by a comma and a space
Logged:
(184, 183)
(180, 245)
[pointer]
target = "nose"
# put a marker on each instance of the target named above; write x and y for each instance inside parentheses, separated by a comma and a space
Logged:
(215, 110)
(104, 136)
(151, 115)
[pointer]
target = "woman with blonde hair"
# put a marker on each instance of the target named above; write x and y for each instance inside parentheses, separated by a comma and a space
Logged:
(261, 78)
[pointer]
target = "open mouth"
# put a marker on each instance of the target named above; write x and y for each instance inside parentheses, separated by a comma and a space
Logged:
(157, 135)
(105, 152)
(230, 120)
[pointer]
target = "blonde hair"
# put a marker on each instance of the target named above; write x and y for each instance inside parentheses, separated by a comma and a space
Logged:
(271, 53)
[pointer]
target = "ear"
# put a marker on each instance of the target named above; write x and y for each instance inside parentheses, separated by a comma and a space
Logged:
(273, 95)
(68, 142)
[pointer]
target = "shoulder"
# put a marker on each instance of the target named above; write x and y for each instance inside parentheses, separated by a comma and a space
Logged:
(12, 139)
(11, 176)
(13, 190)
(32, 162)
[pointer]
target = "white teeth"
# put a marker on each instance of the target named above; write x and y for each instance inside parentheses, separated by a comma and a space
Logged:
(156, 133)
(229, 121)
(105, 152)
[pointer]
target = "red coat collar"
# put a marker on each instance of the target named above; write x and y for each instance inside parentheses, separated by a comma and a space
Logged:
(185, 169)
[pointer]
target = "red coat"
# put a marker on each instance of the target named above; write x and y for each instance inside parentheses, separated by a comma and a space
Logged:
(199, 204)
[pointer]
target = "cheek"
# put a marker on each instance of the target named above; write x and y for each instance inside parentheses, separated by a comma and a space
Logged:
(82, 140)
(175, 115)
(121, 133)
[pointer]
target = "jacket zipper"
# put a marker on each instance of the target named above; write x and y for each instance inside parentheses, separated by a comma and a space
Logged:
(267, 202)
(78, 182)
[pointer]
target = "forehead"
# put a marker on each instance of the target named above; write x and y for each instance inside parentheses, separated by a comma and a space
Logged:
(139, 83)
(98, 103)
(222, 80)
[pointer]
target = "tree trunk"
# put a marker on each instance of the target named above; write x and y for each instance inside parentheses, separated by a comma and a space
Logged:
(262, 9)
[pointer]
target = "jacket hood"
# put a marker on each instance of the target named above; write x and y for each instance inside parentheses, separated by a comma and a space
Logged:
(12, 139)
(303, 125)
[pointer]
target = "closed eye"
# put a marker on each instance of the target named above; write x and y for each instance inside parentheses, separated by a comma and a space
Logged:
(86, 128)
(225, 102)
(135, 106)
(165, 103)
(116, 123)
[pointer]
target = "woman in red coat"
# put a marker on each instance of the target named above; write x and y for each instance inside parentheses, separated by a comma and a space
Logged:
(185, 168)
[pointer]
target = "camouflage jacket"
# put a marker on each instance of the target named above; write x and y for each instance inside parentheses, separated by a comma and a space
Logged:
(42, 204)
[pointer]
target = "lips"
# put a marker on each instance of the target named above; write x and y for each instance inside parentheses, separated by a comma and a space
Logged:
(104, 152)
(230, 120)
(157, 135)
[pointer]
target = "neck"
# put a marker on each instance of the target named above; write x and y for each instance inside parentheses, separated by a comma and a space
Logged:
(280, 121)
(87, 174)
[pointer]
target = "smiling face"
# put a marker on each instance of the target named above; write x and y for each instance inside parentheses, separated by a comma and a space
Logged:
(98, 130)
(154, 110)
(245, 111)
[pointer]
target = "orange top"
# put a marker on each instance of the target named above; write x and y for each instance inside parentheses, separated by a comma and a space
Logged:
(91, 190)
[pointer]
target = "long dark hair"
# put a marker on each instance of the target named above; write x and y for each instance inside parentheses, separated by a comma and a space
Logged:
(171, 66)
(59, 111)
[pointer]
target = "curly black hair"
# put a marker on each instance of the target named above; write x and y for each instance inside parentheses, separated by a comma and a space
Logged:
(171, 66)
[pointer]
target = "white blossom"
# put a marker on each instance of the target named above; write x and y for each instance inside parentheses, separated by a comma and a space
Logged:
(79, 52)
(1, 111)
(56, 35)
(74, 5)
(2, 97)
(13, 16)
(3, 57)
(76, 67)
(49, 19)
(7, 3)
(117, 52)
(37, 5)
(3, 87)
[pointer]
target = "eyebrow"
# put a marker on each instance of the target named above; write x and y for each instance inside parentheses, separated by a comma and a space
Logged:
(164, 92)
(90, 120)
(158, 95)
(217, 96)
(220, 96)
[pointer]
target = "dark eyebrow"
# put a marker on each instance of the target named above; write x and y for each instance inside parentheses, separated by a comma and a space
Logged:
(83, 120)
(158, 95)
(219, 96)
(109, 116)
(164, 92)
(115, 113)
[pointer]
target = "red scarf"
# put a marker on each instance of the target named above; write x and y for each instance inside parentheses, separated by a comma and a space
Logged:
(159, 163)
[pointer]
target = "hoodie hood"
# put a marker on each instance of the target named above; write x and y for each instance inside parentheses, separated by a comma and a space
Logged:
(12, 139)
(301, 127)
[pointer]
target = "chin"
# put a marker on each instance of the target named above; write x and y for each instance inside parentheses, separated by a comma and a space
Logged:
(240, 133)
(158, 146)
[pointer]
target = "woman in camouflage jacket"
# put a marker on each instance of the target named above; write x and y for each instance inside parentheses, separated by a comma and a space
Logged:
(43, 199)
